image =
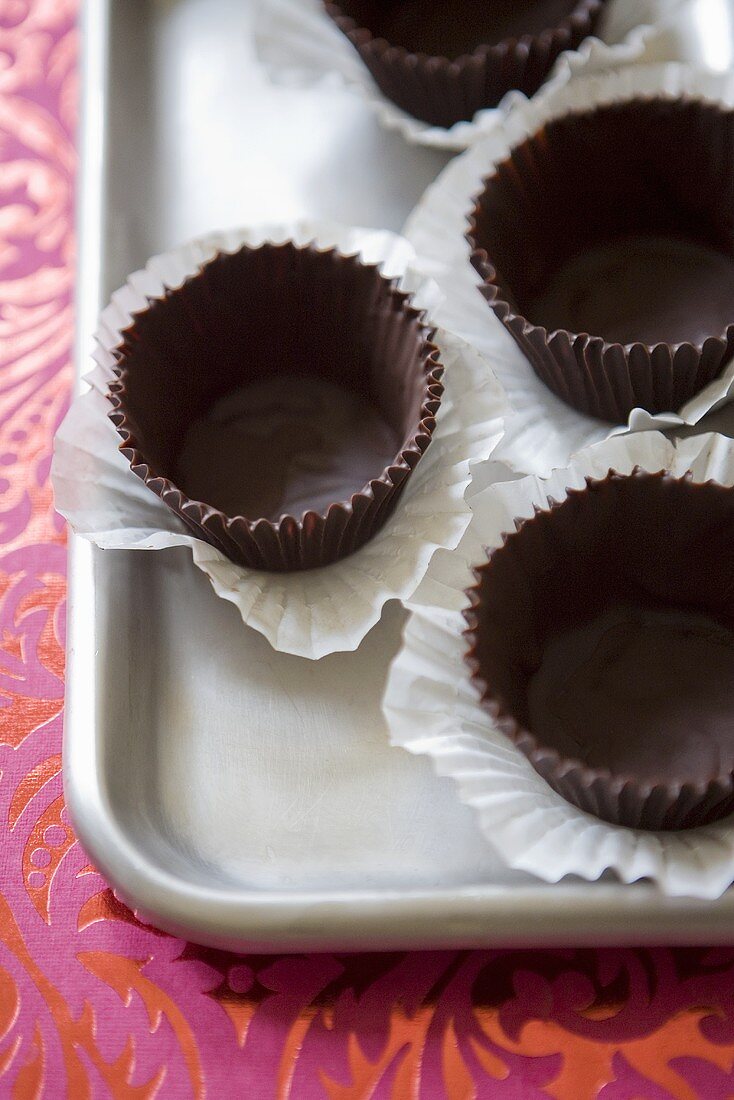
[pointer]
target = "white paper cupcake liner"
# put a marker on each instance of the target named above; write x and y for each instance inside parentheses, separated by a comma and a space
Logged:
(433, 708)
(300, 46)
(319, 611)
(543, 431)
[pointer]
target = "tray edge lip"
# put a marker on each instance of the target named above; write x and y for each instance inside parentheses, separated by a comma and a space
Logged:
(357, 918)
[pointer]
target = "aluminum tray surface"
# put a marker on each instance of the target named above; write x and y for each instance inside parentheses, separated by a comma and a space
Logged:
(231, 794)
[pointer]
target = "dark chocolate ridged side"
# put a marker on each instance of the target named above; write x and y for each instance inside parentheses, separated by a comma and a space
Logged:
(588, 179)
(199, 341)
(650, 541)
(443, 91)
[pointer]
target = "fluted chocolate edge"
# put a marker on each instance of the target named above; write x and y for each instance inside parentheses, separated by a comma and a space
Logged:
(441, 91)
(316, 538)
(616, 798)
(603, 379)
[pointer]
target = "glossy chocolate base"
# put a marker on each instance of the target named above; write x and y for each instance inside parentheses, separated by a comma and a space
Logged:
(602, 639)
(284, 446)
(636, 691)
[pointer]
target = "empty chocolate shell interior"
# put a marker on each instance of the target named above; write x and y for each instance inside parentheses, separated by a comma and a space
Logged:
(278, 381)
(617, 223)
(603, 633)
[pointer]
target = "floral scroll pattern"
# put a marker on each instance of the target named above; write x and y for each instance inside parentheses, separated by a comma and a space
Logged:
(93, 1004)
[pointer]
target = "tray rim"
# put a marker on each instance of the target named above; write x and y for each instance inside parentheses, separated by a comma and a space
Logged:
(470, 916)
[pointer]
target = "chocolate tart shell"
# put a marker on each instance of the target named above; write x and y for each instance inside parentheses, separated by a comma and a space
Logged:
(662, 546)
(443, 91)
(243, 317)
(632, 171)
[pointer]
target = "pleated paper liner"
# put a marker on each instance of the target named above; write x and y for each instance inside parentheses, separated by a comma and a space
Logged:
(300, 46)
(318, 343)
(545, 431)
(309, 613)
(442, 63)
(601, 640)
(603, 624)
(606, 246)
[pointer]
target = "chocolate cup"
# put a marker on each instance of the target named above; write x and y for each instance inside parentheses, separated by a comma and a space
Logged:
(306, 320)
(606, 247)
(415, 66)
(601, 639)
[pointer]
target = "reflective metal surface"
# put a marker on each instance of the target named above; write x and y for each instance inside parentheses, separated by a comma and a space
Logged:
(232, 794)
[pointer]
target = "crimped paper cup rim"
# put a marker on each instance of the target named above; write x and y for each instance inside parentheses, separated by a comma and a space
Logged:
(393, 474)
(299, 70)
(437, 229)
(493, 289)
(524, 738)
(308, 613)
(432, 707)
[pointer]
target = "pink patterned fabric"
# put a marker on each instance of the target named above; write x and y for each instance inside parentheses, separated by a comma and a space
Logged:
(92, 1004)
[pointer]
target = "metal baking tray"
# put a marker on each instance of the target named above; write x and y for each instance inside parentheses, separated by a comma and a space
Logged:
(231, 794)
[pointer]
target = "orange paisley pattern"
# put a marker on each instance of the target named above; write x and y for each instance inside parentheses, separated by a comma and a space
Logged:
(93, 1003)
